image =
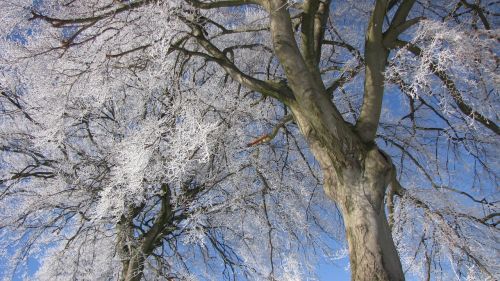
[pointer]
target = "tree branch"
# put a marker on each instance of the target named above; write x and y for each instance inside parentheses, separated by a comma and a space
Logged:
(61, 22)
(307, 33)
(276, 90)
(376, 59)
(221, 4)
(320, 21)
(452, 89)
(272, 135)
(480, 12)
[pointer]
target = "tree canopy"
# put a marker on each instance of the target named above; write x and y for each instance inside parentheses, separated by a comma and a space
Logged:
(249, 139)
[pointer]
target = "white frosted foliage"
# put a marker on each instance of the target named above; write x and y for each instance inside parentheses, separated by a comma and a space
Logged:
(173, 140)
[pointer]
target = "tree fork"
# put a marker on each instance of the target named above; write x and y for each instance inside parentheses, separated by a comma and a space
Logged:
(356, 173)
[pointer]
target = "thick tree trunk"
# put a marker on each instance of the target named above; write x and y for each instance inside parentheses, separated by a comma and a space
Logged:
(356, 173)
(360, 195)
(359, 191)
(371, 249)
(356, 181)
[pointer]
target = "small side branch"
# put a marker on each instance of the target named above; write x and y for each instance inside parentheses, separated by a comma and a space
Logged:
(62, 22)
(272, 135)
(221, 4)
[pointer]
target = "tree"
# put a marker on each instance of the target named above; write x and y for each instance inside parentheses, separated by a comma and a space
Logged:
(151, 183)
(325, 65)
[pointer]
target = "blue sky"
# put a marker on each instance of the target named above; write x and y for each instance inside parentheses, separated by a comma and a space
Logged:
(326, 271)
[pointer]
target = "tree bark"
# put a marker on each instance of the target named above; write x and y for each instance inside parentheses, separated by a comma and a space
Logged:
(357, 185)
(134, 251)
(133, 268)
(131, 257)
(360, 195)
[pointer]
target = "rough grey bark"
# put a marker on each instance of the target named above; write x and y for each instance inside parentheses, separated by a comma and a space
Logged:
(360, 195)
(131, 257)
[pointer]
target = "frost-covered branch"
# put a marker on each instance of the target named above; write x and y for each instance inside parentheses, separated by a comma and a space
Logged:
(454, 92)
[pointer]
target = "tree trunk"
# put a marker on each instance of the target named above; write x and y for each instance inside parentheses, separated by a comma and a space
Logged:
(356, 181)
(355, 172)
(371, 249)
(134, 251)
(133, 268)
(131, 256)
(360, 195)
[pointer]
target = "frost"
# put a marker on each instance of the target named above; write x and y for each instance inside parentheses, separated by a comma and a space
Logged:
(124, 132)
(468, 57)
